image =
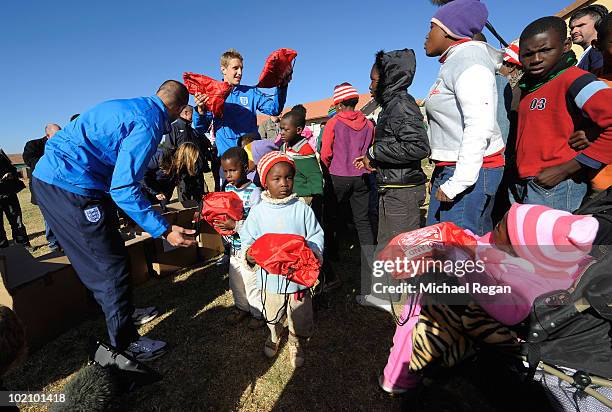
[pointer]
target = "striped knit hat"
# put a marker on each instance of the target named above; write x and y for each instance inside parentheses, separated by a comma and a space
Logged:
(511, 54)
(552, 240)
(266, 163)
(344, 91)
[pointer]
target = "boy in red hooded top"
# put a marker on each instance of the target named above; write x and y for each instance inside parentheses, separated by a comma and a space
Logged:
(346, 137)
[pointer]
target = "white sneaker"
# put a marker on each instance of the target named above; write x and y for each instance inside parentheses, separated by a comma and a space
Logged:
(373, 301)
(145, 349)
(144, 315)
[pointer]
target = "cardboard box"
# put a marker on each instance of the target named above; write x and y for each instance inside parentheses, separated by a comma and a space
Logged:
(169, 259)
(140, 259)
(210, 243)
(45, 292)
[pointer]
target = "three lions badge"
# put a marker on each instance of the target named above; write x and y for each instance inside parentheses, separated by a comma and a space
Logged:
(93, 214)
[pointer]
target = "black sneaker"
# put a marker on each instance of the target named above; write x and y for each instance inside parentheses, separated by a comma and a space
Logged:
(4, 243)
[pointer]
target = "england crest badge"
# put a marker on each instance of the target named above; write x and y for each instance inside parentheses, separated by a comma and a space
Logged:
(244, 100)
(93, 214)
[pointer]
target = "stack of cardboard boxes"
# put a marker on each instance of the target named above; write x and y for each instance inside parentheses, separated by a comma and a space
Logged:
(48, 296)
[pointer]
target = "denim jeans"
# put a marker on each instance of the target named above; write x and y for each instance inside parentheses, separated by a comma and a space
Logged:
(470, 209)
(567, 195)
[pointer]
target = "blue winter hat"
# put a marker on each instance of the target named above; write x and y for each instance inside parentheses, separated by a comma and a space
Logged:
(461, 19)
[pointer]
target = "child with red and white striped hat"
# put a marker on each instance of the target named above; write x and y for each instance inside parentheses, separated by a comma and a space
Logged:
(280, 211)
(347, 136)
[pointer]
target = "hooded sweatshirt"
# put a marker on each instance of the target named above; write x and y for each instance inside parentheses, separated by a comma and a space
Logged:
(400, 140)
(461, 109)
(345, 137)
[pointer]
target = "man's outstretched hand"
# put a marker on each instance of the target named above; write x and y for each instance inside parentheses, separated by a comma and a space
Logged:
(181, 237)
(201, 102)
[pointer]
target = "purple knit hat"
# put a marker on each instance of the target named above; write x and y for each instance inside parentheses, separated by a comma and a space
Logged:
(462, 19)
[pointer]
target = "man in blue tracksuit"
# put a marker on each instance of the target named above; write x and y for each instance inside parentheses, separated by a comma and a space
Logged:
(241, 106)
(93, 164)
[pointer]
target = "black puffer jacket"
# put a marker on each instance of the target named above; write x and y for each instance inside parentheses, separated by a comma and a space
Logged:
(400, 140)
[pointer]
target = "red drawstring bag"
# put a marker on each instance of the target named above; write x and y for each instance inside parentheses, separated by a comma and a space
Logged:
(416, 248)
(216, 91)
(221, 206)
(287, 255)
(278, 66)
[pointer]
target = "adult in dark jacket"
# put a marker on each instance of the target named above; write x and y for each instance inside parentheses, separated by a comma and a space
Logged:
(400, 143)
(583, 29)
(10, 185)
(32, 152)
(190, 187)
(35, 149)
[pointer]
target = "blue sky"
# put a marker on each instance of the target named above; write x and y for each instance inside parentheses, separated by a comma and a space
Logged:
(62, 57)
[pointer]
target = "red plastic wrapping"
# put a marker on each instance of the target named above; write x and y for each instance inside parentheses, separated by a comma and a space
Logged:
(425, 244)
(221, 206)
(287, 255)
(216, 91)
(278, 66)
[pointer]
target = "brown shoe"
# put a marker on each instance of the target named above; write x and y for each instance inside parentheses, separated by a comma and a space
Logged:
(236, 316)
(271, 348)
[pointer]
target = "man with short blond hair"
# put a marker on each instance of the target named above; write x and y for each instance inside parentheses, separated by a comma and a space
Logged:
(242, 104)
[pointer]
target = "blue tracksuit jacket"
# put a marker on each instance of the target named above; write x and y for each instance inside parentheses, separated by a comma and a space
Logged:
(106, 151)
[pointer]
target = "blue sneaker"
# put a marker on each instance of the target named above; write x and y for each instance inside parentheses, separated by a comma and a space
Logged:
(145, 349)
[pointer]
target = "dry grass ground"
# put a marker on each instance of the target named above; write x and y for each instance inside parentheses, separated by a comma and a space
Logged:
(213, 367)
(216, 368)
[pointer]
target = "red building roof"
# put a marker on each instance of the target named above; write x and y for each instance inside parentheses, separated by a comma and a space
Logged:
(16, 159)
(318, 110)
